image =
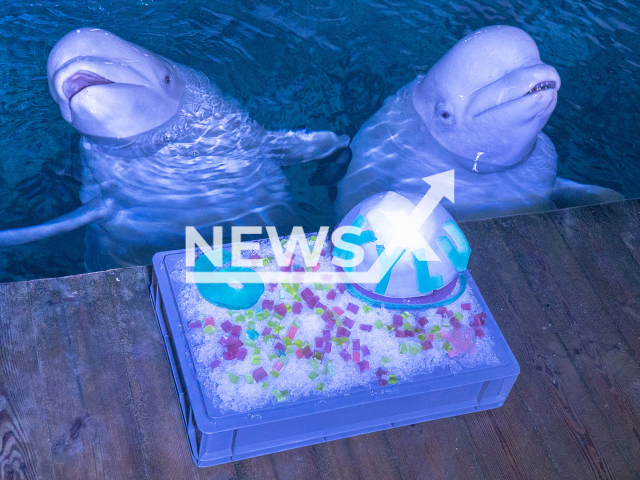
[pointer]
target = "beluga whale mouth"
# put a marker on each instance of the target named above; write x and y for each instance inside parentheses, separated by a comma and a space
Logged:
(542, 86)
(81, 80)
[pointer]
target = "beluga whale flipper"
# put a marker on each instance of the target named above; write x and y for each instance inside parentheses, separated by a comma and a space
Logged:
(479, 110)
(162, 149)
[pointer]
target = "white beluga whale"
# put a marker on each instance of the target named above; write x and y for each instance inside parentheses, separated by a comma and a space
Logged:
(163, 149)
(480, 111)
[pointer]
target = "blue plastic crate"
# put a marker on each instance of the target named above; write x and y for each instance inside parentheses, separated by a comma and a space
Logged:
(216, 438)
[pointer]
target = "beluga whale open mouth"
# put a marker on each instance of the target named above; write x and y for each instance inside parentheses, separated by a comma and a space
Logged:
(542, 86)
(81, 80)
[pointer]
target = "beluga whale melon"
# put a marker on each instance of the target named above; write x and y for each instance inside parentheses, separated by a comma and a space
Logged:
(162, 149)
(479, 110)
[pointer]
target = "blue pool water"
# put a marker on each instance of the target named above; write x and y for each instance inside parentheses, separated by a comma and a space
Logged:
(305, 64)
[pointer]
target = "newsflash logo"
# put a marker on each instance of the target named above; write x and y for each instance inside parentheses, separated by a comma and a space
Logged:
(345, 239)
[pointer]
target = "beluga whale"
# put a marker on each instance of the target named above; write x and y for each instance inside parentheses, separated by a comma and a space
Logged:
(479, 111)
(162, 149)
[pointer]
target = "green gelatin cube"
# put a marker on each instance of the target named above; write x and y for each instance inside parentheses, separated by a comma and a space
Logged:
(446, 346)
(414, 349)
(249, 378)
(458, 316)
(277, 394)
(422, 337)
(209, 329)
(317, 286)
(389, 327)
(263, 315)
(290, 349)
(274, 373)
(320, 387)
(231, 313)
(284, 393)
(385, 360)
(248, 342)
(265, 261)
(313, 375)
(406, 326)
(296, 286)
(265, 385)
(438, 336)
(367, 309)
(287, 341)
(284, 360)
(319, 311)
(314, 363)
(297, 298)
(289, 308)
(251, 324)
(405, 315)
(267, 338)
(327, 287)
(393, 379)
(403, 348)
(233, 378)
(248, 314)
(435, 329)
(272, 356)
(339, 322)
(334, 339)
(313, 238)
(379, 324)
(255, 360)
(256, 350)
(298, 343)
(271, 323)
(278, 316)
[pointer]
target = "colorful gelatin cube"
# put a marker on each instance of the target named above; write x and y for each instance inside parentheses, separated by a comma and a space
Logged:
(292, 331)
(343, 332)
(449, 313)
(381, 372)
(356, 356)
(430, 337)
(236, 330)
(195, 324)
(278, 365)
(240, 318)
(326, 287)
(215, 363)
(267, 305)
(403, 348)
(406, 326)
(341, 288)
(397, 321)
(363, 366)
(327, 347)
(299, 353)
(280, 346)
(320, 387)
(348, 322)
(248, 378)
(274, 374)
(280, 309)
(393, 379)
(409, 333)
(209, 329)
(331, 295)
(422, 337)
(209, 321)
(479, 332)
(232, 378)
(400, 333)
(466, 306)
(306, 294)
(455, 323)
(242, 354)
(405, 315)
(384, 360)
(414, 349)
(345, 355)
(287, 341)
(278, 395)
(307, 351)
(296, 308)
(298, 343)
(330, 324)
(422, 321)
(426, 345)
(365, 350)
(248, 313)
(356, 344)
(353, 308)
(326, 335)
(311, 302)
(318, 354)
(319, 342)
(337, 310)
(252, 334)
(313, 375)
(379, 324)
(365, 328)
(321, 305)
(229, 354)
(226, 326)
(255, 360)
(383, 381)
(367, 308)
(446, 346)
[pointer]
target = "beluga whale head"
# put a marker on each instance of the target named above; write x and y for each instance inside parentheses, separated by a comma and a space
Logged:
(485, 101)
(108, 87)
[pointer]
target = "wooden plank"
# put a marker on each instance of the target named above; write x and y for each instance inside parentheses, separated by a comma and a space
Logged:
(296, 464)
(25, 451)
(520, 281)
(86, 394)
(163, 438)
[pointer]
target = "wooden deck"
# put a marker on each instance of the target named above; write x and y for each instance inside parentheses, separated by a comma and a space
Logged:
(86, 390)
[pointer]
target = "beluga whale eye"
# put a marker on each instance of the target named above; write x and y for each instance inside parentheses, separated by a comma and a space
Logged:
(167, 79)
(445, 114)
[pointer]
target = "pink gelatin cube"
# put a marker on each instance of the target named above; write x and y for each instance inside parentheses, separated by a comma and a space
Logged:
(400, 333)
(365, 328)
(236, 330)
(326, 335)
(296, 307)
(337, 310)
(195, 324)
(306, 351)
(426, 345)
(242, 353)
(365, 350)
(343, 332)
(356, 344)
(331, 295)
(353, 308)
(278, 365)
(299, 353)
(319, 342)
(341, 288)
(382, 382)
(381, 372)
(430, 336)
(422, 321)
(209, 321)
(455, 323)
(345, 355)
(280, 309)
(364, 366)
(226, 326)
(327, 347)
(479, 332)
(348, 322)
(356, 357)
(397, 320)
(466, 306)
(215, 363)
(292, 331)
(306, 294)
(441, 311)
(259, 374)
(267, 304)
